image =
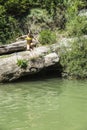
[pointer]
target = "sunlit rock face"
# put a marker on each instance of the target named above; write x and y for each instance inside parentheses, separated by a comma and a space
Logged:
(18, 64)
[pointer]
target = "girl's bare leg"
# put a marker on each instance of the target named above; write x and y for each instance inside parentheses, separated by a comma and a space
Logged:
(32, 46)
(28, 47)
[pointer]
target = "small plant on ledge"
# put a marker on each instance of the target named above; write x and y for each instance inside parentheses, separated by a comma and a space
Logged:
(22, 63)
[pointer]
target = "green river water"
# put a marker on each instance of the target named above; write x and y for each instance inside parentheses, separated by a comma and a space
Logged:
(48, 104)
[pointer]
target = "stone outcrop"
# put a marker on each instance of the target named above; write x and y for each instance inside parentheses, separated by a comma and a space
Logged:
(21, 45)
(18, 64)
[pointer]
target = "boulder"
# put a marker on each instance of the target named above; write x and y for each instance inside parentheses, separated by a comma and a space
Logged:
(18, 64)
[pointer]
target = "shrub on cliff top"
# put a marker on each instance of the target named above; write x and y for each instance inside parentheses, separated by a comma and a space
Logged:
(47, 37)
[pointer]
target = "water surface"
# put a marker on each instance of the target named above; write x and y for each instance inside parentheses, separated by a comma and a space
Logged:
(49, 104)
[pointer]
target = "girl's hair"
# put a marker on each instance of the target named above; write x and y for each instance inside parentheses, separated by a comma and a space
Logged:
(30, 32)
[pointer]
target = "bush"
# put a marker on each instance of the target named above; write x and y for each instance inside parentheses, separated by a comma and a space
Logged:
(22, 63)
(74, 61)
(77, 26)
(17, 8)
(36, 20)
(8, 27)
(47, 37)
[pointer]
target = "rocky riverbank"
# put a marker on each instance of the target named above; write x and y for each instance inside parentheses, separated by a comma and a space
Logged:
(18, 64)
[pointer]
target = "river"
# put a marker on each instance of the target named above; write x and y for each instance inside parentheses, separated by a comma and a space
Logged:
(47, 104)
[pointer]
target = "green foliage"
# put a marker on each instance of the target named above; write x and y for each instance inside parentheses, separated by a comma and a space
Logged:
(77, 26)
(8, 26)
(47, 37)
(36, 20)
(8, 29)
(16, 7)
(74, 61)
(18, 16)
(22, 63)
(10, 13)
(51, 6)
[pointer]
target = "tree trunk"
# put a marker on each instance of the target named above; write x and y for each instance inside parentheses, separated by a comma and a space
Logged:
(14, 47)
